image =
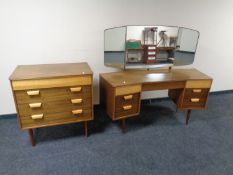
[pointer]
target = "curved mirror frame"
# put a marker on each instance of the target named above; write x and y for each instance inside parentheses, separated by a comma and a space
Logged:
(148, 47)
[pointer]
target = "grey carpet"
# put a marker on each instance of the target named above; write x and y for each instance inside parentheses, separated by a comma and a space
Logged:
(156, 142)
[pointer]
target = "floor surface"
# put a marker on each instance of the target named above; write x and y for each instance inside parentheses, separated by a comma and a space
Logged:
(156, 142)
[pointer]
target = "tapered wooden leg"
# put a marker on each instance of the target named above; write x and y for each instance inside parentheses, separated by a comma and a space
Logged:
(188, 116)
(123, 125)
(33, 142)
(86, 129)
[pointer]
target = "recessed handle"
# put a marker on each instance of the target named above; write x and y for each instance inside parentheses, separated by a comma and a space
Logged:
(197, 90)
(151, 53)
(195, 100)
(151, 48)
(37, 116)
(128, 97)
(75, 89)
(35, 105)
(33, 92)
(78, 111)
(127, 107)
(76, 101)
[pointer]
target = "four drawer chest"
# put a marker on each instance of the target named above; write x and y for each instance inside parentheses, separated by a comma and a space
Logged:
(52, 94)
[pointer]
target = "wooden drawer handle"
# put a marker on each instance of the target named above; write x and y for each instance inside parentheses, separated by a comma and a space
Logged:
(128, 97)
(197, 90)
(78, 111)
(35, 105)
(76, 89)
(34, 92)
(37, 116)
(128, 107)
(76, 101)
(195, 100)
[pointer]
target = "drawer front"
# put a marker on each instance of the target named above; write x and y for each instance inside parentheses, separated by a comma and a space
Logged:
(52, 107)
(52, 94)
(194, 102)
(124, 90)
(196, 92)
(45, 118)
(52, 82)
(195, 97)
(127, 105)
(198, 84)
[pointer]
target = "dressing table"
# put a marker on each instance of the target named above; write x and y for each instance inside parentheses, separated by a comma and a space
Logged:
(120, 92)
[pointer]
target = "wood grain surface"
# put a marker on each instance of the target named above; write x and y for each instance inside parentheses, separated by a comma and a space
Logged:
(41, 71)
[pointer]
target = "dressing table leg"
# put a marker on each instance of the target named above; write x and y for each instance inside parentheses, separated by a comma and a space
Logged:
(33, 142)
(188, 116)
(123, 125)
(85, 129)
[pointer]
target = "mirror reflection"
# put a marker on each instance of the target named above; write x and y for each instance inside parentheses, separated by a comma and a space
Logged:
(186, 46)
(131, 47)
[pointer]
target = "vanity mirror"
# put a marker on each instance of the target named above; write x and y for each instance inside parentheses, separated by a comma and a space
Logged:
(148, 47)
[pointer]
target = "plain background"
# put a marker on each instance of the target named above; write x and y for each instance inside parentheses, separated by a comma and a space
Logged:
(59, 31)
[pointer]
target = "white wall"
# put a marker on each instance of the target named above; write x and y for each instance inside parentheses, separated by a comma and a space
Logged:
(57, 31)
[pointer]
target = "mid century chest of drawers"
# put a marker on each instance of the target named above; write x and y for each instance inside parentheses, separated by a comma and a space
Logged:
(52, 94)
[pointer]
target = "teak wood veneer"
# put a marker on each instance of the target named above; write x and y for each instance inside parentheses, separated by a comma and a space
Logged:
(52, 94)
(120, 92)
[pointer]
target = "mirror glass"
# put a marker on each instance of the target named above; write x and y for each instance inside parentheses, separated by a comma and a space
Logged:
(114, 47)
(186, 46)
(132, 47)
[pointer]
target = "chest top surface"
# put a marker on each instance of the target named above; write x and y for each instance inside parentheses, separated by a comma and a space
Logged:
(143, 76)
(40, 71)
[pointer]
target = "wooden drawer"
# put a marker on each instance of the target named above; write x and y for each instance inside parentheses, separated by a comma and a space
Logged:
(51, 82)
(127, 105)
(127, 99)
(52, 94)
(196, 92)
(124, 90)
(193, 103)
(52, 107)
(54, 117)
(198, 84)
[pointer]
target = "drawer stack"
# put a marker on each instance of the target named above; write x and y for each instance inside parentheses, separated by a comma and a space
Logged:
(193, 96)
(122, 102)
(127, 105)
(49, 106)
(126, 101)
(150, 54)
